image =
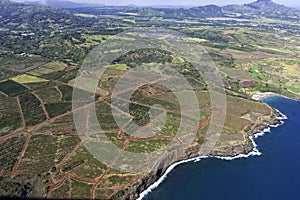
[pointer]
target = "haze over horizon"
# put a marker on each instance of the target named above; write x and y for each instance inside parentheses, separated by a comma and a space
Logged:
(174, 3)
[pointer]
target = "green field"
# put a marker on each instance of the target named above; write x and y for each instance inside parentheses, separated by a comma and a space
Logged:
(32, 110)
(12, 88)
(25, 78)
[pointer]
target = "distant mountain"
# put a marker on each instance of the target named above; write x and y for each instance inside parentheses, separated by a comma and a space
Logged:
(195, 12)
(23, 12)
(264, 8)
(265, 5)
(32, 18)
(269, 6)
(62, 4)
(257, 9)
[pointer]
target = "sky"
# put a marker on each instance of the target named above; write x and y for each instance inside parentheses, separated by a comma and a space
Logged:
(177, 2)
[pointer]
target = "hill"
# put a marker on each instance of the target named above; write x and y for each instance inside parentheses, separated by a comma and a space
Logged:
(258, 9)
(270, 9)
(62, 4)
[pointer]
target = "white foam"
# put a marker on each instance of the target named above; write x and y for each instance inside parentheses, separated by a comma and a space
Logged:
(265, 95)
(275, 126)
(164, 176)
(282, 116)
(254, 152)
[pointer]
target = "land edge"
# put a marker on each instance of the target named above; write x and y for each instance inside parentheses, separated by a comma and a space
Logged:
(259, 96)
(250, 149)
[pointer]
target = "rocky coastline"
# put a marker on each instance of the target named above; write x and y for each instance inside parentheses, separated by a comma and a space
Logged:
(240, 150)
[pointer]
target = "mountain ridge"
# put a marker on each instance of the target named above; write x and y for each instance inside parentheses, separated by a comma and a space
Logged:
(72, 4)
(62, 4)
(256, 9)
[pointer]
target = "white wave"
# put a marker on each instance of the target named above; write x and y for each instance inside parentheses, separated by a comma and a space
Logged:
(259, 134)
(164, 176)
(254, 152)
(282, 116)
(275, 126)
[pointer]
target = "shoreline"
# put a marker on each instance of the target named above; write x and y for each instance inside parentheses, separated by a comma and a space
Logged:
(260, 96)
(254, 152)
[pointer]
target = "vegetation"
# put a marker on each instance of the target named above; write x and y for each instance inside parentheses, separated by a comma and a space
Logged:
(32, 110)
(10, 149)
(12, 88)
(28, 79)
(255, 48)
(10, 115)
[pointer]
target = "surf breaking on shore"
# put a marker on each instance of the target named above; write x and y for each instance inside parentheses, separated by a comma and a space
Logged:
(264, 95)
(254, 152)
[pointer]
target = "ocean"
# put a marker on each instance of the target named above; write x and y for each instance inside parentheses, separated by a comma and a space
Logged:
(275, 174)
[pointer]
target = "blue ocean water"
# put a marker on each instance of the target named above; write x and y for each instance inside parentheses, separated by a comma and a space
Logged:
(273, 175)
